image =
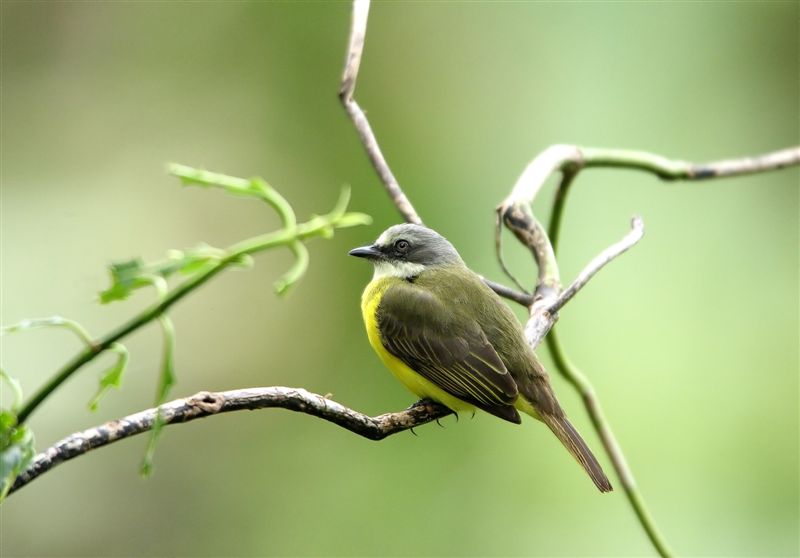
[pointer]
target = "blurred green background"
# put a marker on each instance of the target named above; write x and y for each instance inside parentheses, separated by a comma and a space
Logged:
(691, 339)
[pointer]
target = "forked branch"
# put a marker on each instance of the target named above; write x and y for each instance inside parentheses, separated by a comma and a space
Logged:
(569, 160)
(515, 212)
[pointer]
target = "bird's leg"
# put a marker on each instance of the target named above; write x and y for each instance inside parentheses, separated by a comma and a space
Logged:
(425, 402)
(428, 405)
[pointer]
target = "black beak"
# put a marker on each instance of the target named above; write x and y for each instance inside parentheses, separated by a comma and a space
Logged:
(369, 252)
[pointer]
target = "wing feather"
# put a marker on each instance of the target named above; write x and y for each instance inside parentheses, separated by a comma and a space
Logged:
(446, 347)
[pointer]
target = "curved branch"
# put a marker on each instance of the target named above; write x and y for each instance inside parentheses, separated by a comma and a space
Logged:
(569, 160)
(320, 225)
(600, 261)
(358, 31)
(544, 310)
(670, 169)
(205, 404)
(507, 292)
(515, 212)
(355, 48)
(582, 385)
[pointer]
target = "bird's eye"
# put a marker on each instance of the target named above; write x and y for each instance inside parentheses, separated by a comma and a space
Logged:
(401, 245)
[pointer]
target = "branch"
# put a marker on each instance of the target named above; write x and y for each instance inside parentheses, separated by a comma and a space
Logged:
(205, 404)
(507, 292)
(516, 214)
(355, 48)
(358, 31)
(548, 297)
(599, 262)
(544, 310)
(291, 236)
(582, 385)
(569, 160)
(670, 169)
(573, 158)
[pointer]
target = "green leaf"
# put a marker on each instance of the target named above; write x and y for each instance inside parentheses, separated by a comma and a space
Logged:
(190, 261)
(8, 419)
(245, 261)
(16, 389)
(353, 220)
(134, 274)
(52, 321)
(341, 204)
(16, 441)
(126, 277)
(16, 455)
(297, 270)
(113, 376)
(190, 176)
(166, 380)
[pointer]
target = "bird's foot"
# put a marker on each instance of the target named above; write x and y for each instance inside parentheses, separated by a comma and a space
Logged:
(422, 403)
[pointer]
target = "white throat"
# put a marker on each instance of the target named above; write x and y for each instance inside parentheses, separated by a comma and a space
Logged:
(403, 270)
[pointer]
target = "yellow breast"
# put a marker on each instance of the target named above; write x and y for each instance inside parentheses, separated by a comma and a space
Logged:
(417, 384)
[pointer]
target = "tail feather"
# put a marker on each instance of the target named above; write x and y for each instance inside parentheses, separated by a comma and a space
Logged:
(565, 432)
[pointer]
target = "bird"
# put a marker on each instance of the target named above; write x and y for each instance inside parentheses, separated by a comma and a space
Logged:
(451, 339)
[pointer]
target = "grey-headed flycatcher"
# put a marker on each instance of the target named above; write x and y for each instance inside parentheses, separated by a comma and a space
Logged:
(448, 337)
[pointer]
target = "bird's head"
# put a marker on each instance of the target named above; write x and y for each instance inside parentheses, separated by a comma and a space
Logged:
(407, 250)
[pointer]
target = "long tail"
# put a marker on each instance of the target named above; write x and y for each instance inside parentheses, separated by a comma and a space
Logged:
(565, 432)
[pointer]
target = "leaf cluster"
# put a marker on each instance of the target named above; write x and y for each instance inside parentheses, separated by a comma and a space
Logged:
(194, 267)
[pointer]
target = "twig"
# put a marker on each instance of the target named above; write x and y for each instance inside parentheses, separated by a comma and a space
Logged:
(355, 48)
(544, 313)
(519, 297)
(572, 158)
(358, 31)
(515, 211)
(316, 226)
(582, 385)
(599, 262)
(669, 169)
(206, 404)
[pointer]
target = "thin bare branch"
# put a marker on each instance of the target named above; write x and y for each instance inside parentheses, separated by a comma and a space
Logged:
(520, 220)
(544, 311)
(572, 158)
(601, 425)
(670, 169)
(506, 292)
(355, 49)
(515, 210)
(600, 261)
(358, 31)
(205, 404)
